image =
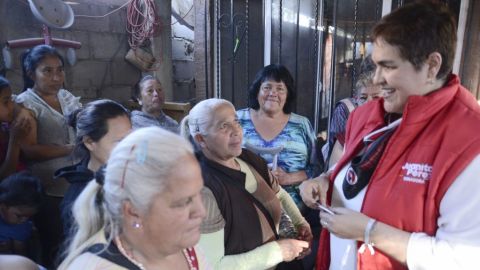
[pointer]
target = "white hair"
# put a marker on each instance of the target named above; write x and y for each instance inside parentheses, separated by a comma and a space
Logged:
(137, 170)
(200, 117)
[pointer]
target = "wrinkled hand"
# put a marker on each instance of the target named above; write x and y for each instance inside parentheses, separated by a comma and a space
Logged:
(291, 248)
(345, 223)
(315, 190)
(282, 176)
(20, 128)
(305, 233)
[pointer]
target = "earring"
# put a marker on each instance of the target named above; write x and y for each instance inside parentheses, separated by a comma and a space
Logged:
(136, 225)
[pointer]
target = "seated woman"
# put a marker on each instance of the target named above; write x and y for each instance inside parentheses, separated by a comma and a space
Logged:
(146, 212)
(270, 122)
(149, 94)
(20, 198)
(11, 132)
(49, 143)
(243, 201)
(99, 127)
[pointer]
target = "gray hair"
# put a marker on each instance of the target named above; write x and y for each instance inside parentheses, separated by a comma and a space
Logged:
(200, 117)
(137, 170)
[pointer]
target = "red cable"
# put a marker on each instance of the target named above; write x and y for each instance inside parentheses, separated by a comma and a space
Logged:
(142, 21)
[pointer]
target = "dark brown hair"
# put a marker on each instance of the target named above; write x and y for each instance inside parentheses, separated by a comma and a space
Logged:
(419, 29)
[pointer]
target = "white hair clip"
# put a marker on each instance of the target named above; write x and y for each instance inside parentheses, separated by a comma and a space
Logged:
(142, 152)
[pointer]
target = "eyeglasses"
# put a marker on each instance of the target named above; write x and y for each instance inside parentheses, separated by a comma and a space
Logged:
(268, 89)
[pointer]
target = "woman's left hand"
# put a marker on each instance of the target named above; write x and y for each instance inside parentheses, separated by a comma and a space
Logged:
(305, 233)
(345, 223)
(282, 176)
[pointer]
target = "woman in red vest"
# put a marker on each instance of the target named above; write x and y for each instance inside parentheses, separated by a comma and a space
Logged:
(405, 192)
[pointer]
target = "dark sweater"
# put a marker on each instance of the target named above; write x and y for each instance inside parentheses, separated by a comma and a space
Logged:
(243, 231)
(78, 176)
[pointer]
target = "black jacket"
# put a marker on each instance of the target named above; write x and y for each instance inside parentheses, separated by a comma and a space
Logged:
(78, 176)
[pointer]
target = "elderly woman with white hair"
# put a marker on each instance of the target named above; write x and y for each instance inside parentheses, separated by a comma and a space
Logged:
(242, 199)
(147, 212)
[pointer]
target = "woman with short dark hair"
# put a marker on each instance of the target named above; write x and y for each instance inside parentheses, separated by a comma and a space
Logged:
(404, 195)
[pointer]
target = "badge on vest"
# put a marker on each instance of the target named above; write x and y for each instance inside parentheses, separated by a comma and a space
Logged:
(416, 172)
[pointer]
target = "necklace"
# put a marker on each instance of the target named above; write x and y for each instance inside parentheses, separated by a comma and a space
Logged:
(190, 255)
(127, 254)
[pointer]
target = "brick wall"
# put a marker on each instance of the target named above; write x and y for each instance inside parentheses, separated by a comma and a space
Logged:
(100, 71)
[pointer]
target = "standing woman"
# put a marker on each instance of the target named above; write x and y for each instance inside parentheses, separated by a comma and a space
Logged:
(50, 142)
(12, 131)
(99, 127)
(405, 192)
(269, 122)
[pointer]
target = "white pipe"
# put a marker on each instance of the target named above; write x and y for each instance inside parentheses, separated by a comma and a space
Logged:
(386, 7)
(267, 15)
(462, 25)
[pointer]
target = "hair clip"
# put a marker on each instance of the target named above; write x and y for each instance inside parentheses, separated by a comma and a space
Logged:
(122, 183)
(197, 129)
(142, 152)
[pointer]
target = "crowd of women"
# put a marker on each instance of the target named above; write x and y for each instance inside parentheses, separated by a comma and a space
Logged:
(218, 190)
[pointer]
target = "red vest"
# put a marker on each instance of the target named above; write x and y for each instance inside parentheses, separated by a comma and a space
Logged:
(437, 139)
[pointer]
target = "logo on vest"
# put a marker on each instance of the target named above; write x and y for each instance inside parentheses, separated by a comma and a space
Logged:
(416, 172)
(351, 176)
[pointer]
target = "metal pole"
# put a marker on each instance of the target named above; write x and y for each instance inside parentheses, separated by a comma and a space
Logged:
(297, 37)
(319, 75)
(217, 58)
(332, 69)
(234, 29)
(206, 48)
(267, 40)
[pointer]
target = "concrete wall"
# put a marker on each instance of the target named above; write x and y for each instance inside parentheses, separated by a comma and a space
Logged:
(182, 50)
(100, 71)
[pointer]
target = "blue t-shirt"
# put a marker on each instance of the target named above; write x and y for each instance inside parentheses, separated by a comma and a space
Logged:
(298, 140)
(20, 232)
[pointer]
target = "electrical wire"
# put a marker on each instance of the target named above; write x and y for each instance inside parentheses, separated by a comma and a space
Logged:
(184, 16)
(105, 15)
(142, 21)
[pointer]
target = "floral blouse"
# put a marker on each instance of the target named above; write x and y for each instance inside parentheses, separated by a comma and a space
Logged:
(298, 140)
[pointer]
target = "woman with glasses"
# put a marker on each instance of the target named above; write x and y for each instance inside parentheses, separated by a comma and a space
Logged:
(242, 199)
(270, 122)
(50, 141)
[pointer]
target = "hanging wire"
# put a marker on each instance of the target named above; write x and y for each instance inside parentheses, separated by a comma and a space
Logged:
(354, 55)
(105, 15)
(142, 21)
(184, 16)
